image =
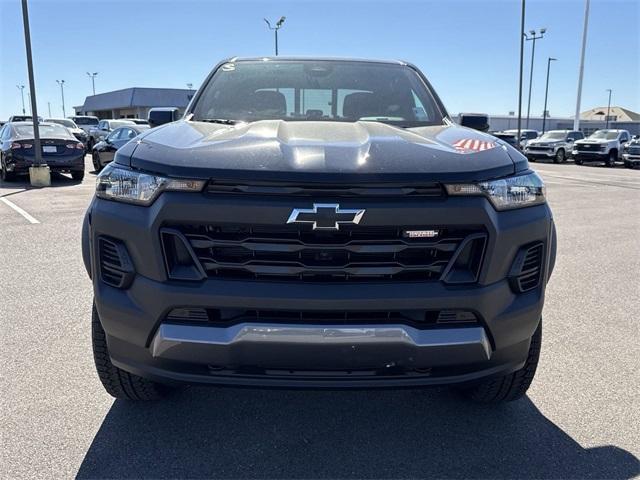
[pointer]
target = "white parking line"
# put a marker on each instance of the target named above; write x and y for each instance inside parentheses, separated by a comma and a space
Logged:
(26, 215)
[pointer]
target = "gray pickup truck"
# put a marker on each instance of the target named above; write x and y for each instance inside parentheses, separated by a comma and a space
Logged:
(553, 145)
(317, 223)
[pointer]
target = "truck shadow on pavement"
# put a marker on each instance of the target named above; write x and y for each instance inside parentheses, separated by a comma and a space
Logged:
(251, 433)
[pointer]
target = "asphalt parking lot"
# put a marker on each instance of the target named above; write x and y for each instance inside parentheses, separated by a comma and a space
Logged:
(580, 419)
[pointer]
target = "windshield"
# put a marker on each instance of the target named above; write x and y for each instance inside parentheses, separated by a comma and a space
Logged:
(553, 136)
(86, 121)
(53, 130)
(317, 90)
(606, 134)
(62, 121)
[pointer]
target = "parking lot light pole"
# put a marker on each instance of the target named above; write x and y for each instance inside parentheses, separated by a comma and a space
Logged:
(576, 119)
(93, 80)
(61, 83)
(39, 174)
(522, 37)
(608, 108)
(21, 88)
(546, 93)
(534, 37)
(275, 29)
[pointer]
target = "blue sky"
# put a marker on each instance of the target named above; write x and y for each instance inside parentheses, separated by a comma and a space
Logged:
(467, 48)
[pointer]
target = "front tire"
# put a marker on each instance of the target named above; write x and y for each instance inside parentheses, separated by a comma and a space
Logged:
(95, 158)
(611, 159)
(512, 386)
(117, 382)
(560, 156)
(78, 176)
(577, 162)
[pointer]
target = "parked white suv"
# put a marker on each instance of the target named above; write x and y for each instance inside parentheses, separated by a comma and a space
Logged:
(554, 144)
(602, 146)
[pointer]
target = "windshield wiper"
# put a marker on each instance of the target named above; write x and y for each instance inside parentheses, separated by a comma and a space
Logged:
(224, 121)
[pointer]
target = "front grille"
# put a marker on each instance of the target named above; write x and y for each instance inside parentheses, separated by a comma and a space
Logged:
(228, 316)
(634, 150)
(588, 147)
(539, 148)
(352, 253)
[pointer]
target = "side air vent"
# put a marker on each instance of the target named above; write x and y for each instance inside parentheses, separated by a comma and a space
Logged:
(116, 268)
(526, 272)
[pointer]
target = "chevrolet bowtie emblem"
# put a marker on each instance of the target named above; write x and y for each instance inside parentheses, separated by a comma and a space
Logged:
(325, 216)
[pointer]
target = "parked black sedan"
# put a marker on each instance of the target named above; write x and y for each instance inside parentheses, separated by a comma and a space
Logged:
(61, 151)
(104, 151)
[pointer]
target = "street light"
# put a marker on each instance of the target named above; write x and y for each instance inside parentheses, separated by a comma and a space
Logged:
(275, 29)
(522, 15)
(39, 174)
(190, 86)
(61, 83)
(21, 88)
(546, 93)
(608, 108)
(93, 80)
(534, 36)
(576, 119)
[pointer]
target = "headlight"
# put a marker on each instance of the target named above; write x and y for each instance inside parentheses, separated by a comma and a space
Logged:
(133, 186)
(505, 193)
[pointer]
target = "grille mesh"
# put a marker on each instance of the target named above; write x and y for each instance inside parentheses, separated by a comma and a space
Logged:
(298, 252)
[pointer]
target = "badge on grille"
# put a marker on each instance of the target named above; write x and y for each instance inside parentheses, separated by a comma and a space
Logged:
(326, 216)
(421, 233)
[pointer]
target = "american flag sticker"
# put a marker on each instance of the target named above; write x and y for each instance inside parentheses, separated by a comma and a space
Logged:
(473, 145)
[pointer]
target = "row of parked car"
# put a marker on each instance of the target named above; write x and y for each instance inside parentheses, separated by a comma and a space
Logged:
(607, 146)
(65, 141)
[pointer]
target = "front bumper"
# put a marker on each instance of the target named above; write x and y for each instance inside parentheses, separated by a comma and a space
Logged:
(141, 340)
(631, 158)
(590, 156)
(540, 154)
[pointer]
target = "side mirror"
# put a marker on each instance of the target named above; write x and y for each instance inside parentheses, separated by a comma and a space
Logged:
(160, 116)
(477, 121)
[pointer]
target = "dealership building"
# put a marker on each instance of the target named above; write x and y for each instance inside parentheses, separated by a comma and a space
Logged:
(134, 102)
(590, 121)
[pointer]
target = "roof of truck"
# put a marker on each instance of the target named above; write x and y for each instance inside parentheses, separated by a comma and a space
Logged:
(319, 59)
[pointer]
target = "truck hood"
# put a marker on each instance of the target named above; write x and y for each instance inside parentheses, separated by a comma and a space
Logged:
(318, 150)
(538, 141)
(599, 141)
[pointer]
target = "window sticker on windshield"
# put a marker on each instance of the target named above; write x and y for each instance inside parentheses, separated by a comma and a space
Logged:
(469, 145)
(228, 67)
(420, 114)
